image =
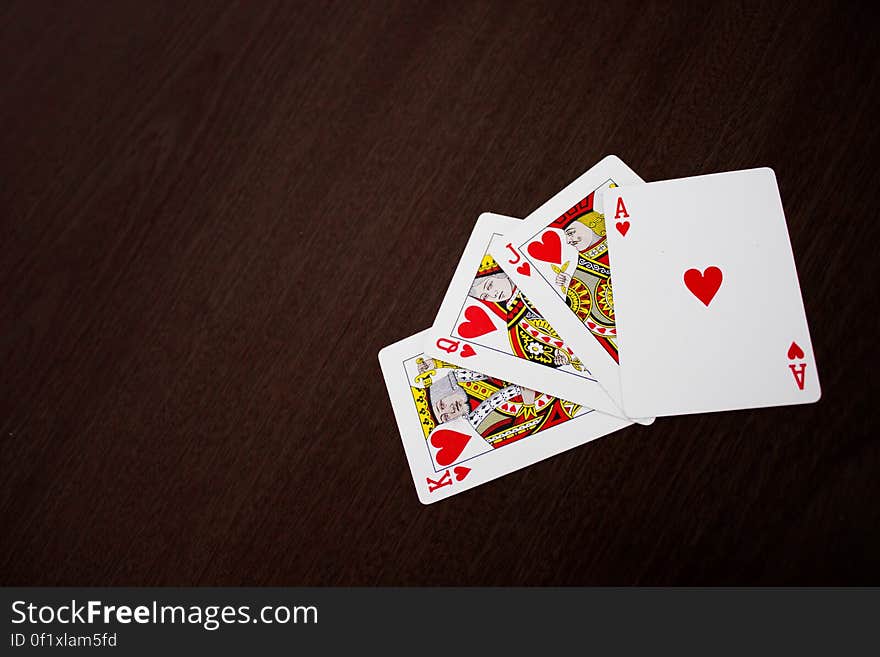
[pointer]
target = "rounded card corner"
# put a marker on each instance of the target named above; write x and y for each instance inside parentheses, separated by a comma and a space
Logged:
(769, 171)
(611, 158)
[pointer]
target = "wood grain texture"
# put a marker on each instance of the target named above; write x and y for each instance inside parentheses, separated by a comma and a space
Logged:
(214, 215)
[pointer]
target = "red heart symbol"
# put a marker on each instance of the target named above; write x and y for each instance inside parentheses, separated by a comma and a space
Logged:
(622, 227)
(525, 269)
(478, 323)
(467, 350)
(549, 249)
(703, 285)
(450, 445)
(794, 351)
(461, 472)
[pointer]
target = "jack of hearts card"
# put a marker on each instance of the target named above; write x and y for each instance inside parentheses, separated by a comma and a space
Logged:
(564, 268)
(486, 323)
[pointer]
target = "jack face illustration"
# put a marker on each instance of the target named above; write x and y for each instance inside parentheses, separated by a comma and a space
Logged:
(585, 231)
(587, 285)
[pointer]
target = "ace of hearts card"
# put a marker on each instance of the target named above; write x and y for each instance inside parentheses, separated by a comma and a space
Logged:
(706, 295)
(462, 428)
(487, 324)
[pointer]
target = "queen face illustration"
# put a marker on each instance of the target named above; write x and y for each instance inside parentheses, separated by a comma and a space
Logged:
(495, 287)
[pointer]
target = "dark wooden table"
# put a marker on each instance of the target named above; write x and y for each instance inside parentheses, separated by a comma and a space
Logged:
(215, 215)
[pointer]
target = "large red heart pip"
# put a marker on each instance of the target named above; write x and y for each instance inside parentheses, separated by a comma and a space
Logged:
(477, 324)
(450, 445)
(548, 249)
(705, 284)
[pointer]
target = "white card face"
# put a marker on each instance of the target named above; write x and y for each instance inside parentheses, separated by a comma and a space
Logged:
(461, 428)
(486, 324)
(708, 307)
(562, 257)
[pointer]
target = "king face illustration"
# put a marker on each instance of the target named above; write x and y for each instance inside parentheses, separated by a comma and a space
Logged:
(498, 411)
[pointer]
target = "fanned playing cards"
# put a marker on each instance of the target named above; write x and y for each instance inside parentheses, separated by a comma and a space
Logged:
(614, 302)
